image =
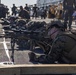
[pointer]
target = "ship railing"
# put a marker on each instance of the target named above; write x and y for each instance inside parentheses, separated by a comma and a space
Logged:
(32, 69)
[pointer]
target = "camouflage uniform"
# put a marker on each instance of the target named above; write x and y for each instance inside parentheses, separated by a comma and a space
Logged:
(2, 11)
(63, 50)
(68, 7)
(14, 10)
(24, 13)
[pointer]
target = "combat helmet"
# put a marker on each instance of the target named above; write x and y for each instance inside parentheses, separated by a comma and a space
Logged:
(12, 18)
(55, 23)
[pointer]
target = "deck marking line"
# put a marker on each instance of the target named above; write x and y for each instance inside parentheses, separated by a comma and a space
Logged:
(5, 47)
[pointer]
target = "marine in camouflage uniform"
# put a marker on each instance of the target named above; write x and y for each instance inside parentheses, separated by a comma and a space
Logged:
(63, 49)
(68, 8)
(2, 11)
(24, 14)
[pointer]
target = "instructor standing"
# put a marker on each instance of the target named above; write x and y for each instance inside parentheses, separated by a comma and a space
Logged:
(68, 8)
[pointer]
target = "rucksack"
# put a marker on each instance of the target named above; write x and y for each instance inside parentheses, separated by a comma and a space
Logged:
(71, 55)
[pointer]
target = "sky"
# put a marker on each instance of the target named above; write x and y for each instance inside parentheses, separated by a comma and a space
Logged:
(18, 2)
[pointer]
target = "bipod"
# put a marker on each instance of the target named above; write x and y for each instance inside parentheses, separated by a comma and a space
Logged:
(32, 45)
(12, 47)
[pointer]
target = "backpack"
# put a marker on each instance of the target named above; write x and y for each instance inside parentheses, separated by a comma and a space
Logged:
(71, 55)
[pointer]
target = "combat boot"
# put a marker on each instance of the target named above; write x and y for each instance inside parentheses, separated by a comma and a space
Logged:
(40, 59)
(32, 57)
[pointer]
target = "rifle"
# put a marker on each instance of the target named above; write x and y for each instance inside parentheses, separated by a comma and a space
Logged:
(35, 37)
